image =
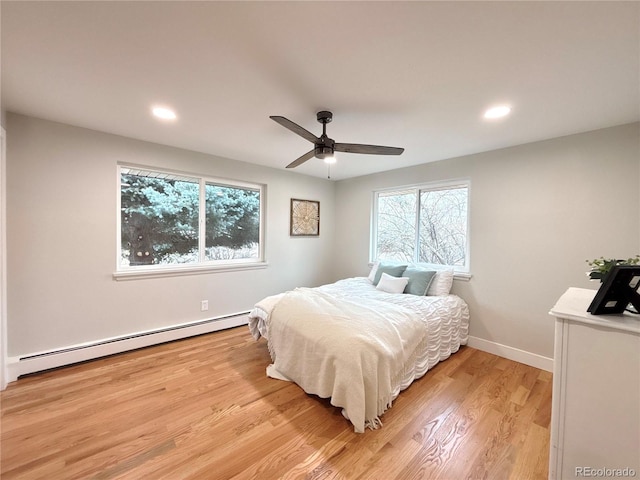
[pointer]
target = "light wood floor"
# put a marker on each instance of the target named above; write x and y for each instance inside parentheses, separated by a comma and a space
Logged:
(203, 408)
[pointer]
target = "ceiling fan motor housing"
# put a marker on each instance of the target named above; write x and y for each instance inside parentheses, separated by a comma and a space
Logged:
(324, 148)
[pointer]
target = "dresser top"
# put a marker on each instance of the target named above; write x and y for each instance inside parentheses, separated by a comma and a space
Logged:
(573, 305)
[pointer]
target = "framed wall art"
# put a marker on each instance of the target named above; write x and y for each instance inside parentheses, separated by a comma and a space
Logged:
(305, 218)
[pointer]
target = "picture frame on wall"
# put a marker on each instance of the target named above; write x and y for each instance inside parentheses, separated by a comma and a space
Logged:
(305, 218)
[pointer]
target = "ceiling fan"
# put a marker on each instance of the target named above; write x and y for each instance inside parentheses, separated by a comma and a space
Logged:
(325, 146)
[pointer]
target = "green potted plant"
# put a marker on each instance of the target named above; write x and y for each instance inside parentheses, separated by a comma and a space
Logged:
(601, 266)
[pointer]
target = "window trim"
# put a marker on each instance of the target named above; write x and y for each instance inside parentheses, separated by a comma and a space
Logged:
(461, 272)
(202, 266)
(158, 271)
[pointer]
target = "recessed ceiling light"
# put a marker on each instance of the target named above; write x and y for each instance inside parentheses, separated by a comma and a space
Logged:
(164, 113)
(497, 112)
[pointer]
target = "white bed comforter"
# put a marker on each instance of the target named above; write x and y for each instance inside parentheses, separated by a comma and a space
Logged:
(357, 345)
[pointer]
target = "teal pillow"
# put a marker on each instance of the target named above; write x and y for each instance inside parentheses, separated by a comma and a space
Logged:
(419, 280)
(393, 269)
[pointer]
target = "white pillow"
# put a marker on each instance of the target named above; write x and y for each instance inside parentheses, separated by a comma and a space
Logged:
(372, 273)
(391, 284)
(441, 283)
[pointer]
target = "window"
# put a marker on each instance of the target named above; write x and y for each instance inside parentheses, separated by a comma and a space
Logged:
(426, 224)
(167, 219)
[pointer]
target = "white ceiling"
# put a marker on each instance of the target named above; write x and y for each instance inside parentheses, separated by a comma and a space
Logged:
(416, 75)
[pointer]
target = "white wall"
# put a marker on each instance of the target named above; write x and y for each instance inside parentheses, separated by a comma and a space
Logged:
(3, 261)
(61, 222)
(538, 211)
(3, 300)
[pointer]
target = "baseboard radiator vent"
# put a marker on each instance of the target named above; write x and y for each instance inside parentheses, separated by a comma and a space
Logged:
(38, 362)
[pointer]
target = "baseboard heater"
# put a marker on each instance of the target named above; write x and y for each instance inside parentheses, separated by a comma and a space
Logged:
(37, 362)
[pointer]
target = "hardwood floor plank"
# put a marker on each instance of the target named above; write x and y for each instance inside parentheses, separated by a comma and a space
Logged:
(127, 465)
(203, 408)
(535, 464)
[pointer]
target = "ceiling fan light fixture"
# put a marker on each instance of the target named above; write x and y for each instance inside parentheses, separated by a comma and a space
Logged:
(323, 152)
(330, 159)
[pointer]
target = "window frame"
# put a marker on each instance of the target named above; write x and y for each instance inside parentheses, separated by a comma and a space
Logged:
(202, 266)
(462, 271)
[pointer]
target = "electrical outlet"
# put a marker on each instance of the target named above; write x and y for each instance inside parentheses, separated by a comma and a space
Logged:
(204, 305)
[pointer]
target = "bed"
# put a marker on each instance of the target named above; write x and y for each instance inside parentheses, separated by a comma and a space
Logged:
(357, 343)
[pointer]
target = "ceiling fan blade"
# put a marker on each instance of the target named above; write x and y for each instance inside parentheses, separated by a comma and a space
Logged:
(307, 156)
(368, 149)
(295, 128)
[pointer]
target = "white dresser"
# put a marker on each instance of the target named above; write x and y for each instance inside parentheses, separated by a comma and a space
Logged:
(595, 419)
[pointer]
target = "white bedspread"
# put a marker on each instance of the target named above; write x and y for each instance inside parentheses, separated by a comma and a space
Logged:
(356, 345)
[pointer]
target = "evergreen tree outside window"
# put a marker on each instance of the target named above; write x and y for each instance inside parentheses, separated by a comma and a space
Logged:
(170, 219)
(425, 224)
(233, 222)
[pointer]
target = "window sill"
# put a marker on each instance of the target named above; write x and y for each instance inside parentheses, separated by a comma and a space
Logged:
(160, 272)
(462, 276)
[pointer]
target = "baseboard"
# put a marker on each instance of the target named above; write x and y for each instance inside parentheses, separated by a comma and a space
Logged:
(37, 362)
(515, 354)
